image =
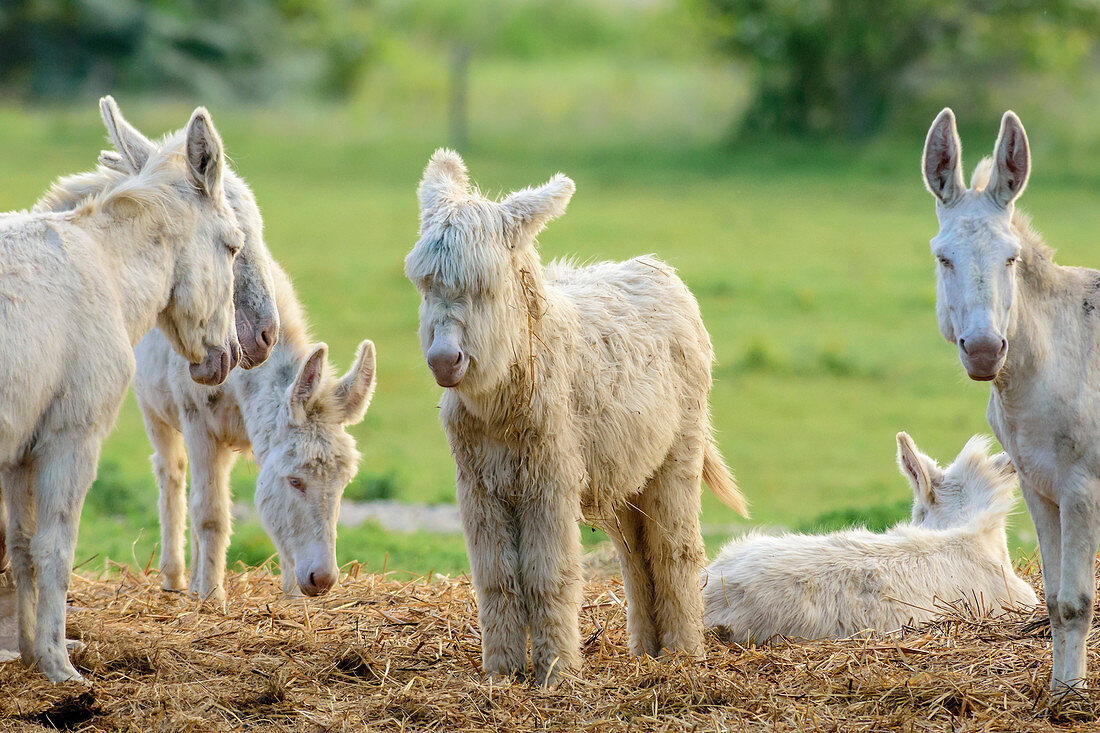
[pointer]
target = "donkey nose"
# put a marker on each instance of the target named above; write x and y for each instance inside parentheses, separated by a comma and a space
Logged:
(266, 337)
(448, 365)
(983, 346)
(319, 583)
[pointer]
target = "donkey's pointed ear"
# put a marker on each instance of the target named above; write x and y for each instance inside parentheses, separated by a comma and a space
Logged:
(921, 470)
(1011, 161)
(532, 208)
(354, 390)
(942, 163)
(205, 153)
(114, 161)
(134, 147)
(305, 388)
(445, 180)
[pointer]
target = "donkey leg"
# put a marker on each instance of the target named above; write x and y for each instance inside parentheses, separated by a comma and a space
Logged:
(626, 534)
(20, 529)
(1048, 528)
(674, 548)
(550, 579)
(1077, 586)
(489, 527)
(65, 466)
(3, 533)
(211, 463)
(170, 467)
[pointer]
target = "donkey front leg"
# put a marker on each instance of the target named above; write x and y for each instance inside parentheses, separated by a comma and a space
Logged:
(211, 520)
(65, 466)
(19, 498)
(170, 468)
(1077, 586)
(1048, 528)
(489, 527)
(550, 579)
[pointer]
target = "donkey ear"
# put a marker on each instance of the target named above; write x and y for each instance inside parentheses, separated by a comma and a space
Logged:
(532, 208)
(942, 164)
(113, 160)
(445, 180)
(921, 470)
(205, 153)
(354, 390)
(305, 388)
(134, 147)
(1011, 162)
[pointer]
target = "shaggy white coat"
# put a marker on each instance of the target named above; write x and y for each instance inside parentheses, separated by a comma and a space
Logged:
(585, 396)
(994, 272)
(760, 589)
(77, 291)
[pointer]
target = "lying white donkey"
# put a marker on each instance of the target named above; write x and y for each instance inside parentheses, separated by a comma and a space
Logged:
(836, 585)
(77, 291)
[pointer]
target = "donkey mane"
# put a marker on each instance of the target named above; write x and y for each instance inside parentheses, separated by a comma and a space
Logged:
(90, 192)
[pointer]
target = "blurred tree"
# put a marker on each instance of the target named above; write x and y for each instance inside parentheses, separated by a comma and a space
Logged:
(246, 48)
(844, 65)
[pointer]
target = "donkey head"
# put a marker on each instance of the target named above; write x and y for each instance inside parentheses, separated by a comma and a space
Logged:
(977, 247)
(474, 265)
(310, 461)
(256, 315)
(197, 223)
(974, 482)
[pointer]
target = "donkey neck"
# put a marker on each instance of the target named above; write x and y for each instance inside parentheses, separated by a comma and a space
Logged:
(261, 392)
(138, 260)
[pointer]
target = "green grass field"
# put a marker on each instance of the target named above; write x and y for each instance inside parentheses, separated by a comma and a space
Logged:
(810, 262)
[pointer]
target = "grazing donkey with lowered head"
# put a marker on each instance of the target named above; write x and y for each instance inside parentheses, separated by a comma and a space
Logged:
(830, 586)
(156, 247)
(291, 414)
(570, 392)
(1032, 328)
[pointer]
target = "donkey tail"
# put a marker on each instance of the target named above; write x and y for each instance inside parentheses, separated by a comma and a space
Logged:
(718, 477)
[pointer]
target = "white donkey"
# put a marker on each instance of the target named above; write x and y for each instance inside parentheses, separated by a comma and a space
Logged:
(839, 584)
(156, 247)
(293, 417)
(571, 391)
(1031, 327)
(256, 412)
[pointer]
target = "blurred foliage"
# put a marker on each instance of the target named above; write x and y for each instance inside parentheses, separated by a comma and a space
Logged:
(844, 66)
(876, 518)
(115, 494)
(372, 487)
(247, 49)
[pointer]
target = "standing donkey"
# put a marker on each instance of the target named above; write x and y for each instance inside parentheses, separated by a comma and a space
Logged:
(247, 411)
(570, 391)
(1032, 328)
(154, 247)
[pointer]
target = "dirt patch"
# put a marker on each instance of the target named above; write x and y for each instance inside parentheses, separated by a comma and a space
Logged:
(387, 654)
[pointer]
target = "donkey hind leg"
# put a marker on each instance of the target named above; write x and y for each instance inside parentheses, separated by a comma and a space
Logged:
(550, 580)
(489, 526)
(170, 467)
(18, 497)
(65, 466)
(1048, 528)
(1077, 585)
(3, 532)
(625, 531)
(211, 520)
(669, 505)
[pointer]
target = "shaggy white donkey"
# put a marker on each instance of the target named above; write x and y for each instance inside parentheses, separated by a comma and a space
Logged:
(1032, 328)
(571, 391)
(839, 584)
(154, 247)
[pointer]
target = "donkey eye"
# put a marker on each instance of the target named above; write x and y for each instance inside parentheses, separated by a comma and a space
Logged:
(233, 245)
(1010, 262)
(943, 261)
(297, 484)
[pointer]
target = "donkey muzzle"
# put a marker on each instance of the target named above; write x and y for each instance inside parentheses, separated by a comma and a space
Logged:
(257, 336)
(983, 355)
(219, 361)
(447, 361)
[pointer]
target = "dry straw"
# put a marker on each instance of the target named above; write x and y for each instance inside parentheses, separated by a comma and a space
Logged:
(384, 654)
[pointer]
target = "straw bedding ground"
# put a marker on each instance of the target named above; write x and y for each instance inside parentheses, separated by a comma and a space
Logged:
(382, 654)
